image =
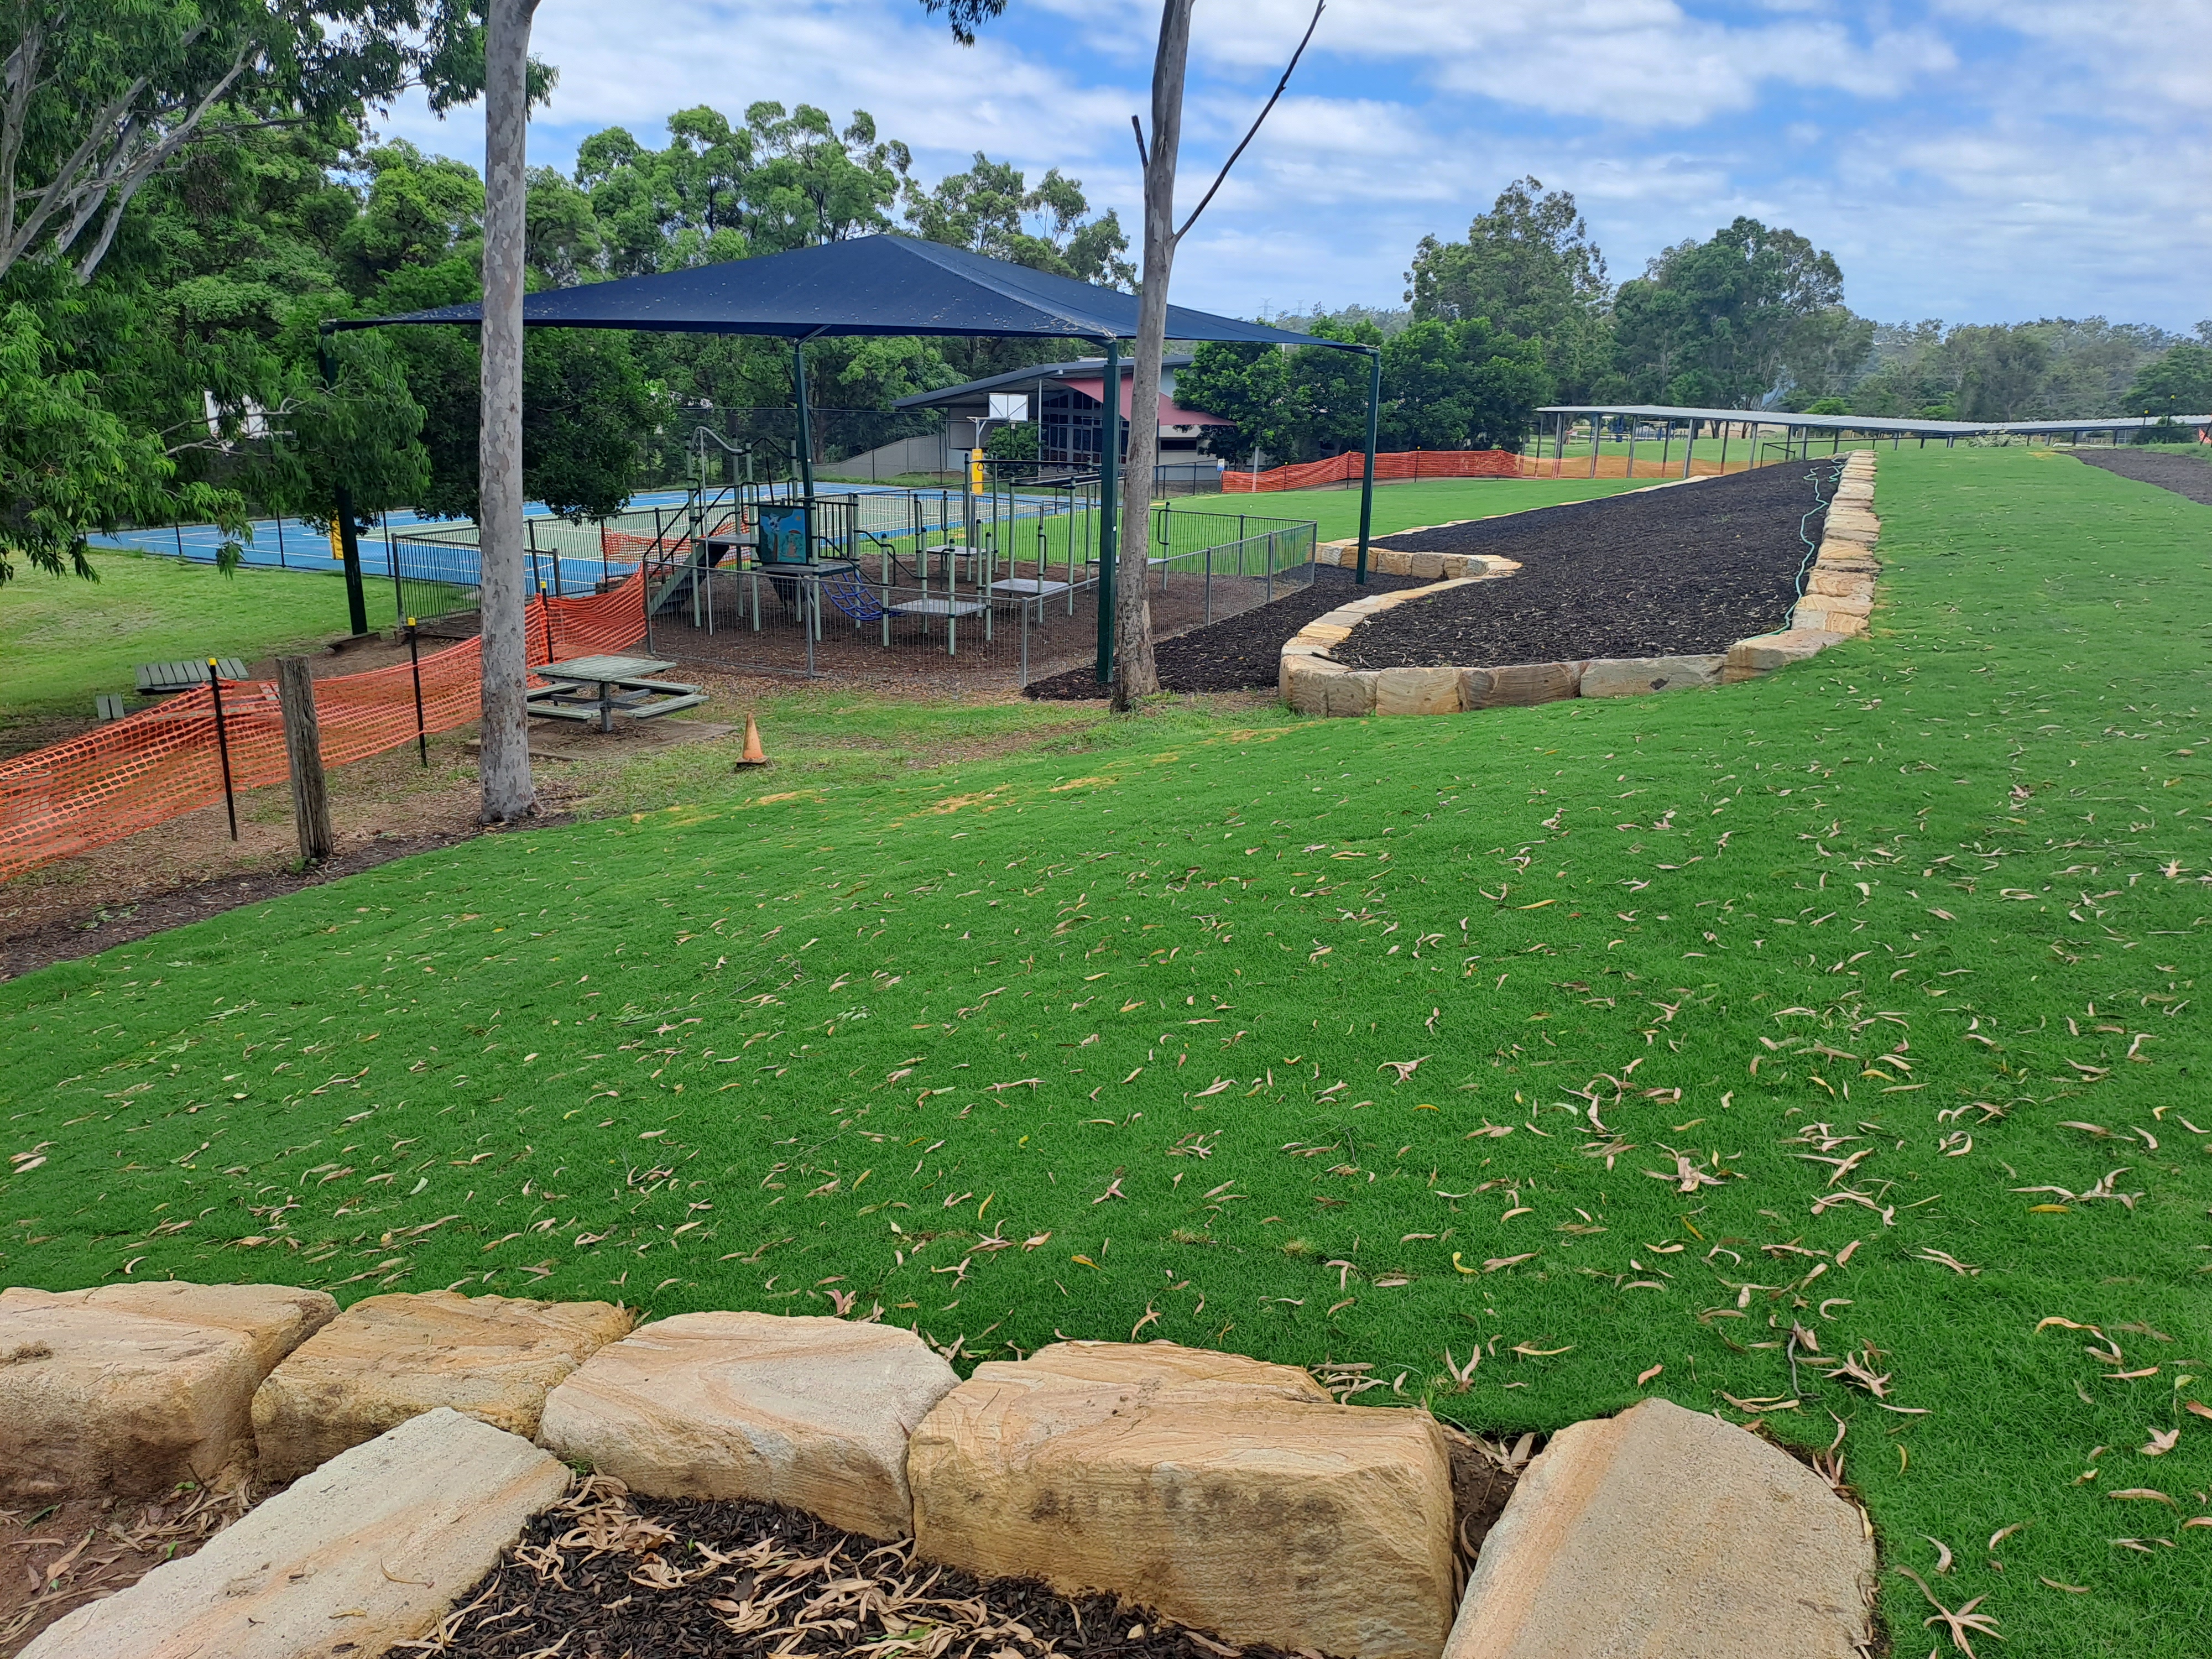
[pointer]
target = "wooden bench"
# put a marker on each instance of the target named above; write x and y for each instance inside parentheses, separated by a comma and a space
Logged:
(161, 678)
(111, 706)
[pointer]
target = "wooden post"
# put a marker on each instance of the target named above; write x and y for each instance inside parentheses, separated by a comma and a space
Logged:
(303, 748)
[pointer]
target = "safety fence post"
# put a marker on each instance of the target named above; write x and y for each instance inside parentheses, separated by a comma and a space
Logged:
(414, 662)
(223, 747)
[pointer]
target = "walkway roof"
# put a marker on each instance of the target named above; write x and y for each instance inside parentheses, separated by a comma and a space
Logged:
(1868, 423)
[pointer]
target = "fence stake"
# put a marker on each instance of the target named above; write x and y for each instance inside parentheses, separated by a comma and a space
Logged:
(303, 751)
(414, 662)
(281, 565)
(222, 748)
(179, 531)
(545, 609)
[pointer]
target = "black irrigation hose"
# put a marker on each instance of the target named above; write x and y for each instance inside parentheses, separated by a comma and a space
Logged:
(1812, 547)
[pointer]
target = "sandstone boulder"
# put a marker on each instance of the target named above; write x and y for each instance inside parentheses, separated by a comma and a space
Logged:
(1830, 579)
(1388, 560)
(1305, 683)
(1635, 677)
(390, 1358)
(1765, 653)
(810, 1412)
(1231, 1495)
(1431, 565)
(129, 1388)
(1519, 685)
(1352, 692)
(1660, 1533)
(367, 1551)
(1416, 691)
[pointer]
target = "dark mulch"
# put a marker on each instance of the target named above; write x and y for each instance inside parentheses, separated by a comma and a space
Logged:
(603, 1576)
(1237, 654)
(1685, 570)
(2185, 474)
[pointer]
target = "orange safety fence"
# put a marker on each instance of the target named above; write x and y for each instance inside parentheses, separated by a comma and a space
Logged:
(163, 762)
(1404, 465)
(1351, 467)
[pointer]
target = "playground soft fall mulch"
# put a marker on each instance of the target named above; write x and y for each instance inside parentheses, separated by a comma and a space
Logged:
(1686, 569)
(1239, 652)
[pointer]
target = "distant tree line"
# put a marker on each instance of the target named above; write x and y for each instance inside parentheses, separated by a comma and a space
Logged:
(187, 193)
(1522, 314)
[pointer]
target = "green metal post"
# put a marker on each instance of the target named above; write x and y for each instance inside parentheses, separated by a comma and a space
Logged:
(1367, 478)
(1109, 471)
(349, 538)
(805, 444)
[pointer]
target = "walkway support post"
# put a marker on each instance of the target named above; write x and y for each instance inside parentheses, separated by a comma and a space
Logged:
(1109, 469)
(349, 538)
(1593, 472)
(1367, 477)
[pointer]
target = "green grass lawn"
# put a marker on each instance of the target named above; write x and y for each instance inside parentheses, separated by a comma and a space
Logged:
(63, 640)
(1669, 1046)
(1402, 506)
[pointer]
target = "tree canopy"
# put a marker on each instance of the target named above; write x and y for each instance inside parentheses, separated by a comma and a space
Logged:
(1445, 386)
(1722, 323)
(1529, 268)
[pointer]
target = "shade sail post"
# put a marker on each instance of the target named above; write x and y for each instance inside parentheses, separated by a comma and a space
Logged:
(805, 443)
(1367, 476)
(1110, 469)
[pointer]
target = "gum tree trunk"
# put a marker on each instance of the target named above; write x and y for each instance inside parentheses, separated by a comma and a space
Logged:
(504, 764)
(1135, 674)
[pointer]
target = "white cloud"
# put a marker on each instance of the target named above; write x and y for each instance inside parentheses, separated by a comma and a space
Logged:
(1983, 159)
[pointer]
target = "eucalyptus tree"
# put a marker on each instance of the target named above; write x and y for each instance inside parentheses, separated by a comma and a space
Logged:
(1135, 674)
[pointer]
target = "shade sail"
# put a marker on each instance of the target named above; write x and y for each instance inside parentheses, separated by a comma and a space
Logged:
(870, 285)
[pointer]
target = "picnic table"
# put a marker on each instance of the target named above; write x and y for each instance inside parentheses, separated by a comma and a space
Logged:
(598, 688)
(163, 679)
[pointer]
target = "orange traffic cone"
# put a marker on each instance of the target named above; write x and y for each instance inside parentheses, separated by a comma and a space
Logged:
(753, 755)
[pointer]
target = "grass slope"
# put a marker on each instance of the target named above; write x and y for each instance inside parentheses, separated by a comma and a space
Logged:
(63, 640)
(1441, 1018)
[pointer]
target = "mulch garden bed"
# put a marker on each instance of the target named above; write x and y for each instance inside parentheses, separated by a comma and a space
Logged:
(604, 1575)
(1682, 571)
(1237, 654)
(2185, 474)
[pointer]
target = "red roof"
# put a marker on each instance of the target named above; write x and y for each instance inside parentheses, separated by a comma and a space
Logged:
(1171, 414)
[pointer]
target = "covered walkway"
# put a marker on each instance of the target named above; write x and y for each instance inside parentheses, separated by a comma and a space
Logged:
(1770, 434)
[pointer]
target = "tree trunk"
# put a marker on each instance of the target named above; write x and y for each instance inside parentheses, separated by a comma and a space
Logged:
(504, 765)
(1135, 674)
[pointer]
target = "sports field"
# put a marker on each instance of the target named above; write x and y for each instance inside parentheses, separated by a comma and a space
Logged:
(63, 640)
(1827, 1049)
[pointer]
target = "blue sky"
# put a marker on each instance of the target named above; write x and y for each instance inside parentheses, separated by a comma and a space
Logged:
(1979, 161)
